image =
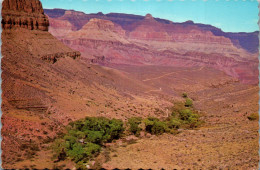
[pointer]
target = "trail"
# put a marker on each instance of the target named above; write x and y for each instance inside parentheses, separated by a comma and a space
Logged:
(154, 90)
(167, 74)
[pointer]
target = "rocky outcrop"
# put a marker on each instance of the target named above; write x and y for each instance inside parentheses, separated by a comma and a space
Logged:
(24, 14)
(53, 58)
(99, 24)
(99, 29)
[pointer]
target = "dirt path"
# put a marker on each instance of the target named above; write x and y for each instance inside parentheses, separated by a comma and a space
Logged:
(167, 74)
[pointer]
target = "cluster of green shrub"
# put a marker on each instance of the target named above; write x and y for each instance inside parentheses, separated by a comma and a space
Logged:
(84, 139)
(134, 125)
(183, 116)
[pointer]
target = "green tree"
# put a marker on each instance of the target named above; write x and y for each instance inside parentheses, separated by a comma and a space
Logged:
(95, 137)
(134, 123)
(155, 126)
(159, 128)
(77, 152)
(149, 123)
(174, 123)
(91, 148)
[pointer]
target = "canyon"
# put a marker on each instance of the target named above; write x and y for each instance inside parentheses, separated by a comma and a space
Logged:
(59, 66)
(145, 40)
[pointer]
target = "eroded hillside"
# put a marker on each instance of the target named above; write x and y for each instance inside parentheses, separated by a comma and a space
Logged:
(152, 41)
(46, 85)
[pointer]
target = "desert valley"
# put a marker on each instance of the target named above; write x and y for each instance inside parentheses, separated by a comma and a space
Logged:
(60, 66)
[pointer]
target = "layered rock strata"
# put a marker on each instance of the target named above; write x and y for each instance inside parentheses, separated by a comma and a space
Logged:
(24, 14)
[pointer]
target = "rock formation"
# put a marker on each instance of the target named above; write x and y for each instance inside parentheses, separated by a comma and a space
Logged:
(247, 41)
(131, 39)
(24, 14)
(52, 58)
(28, 80)
(60, 28)
(98, 29)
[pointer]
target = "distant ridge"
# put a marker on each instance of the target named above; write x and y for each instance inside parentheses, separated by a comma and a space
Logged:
(248, 41)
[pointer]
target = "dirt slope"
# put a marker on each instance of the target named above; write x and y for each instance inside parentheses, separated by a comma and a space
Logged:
(46, 85)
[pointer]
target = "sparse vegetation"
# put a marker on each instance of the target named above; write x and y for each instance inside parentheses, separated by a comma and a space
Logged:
(84, 138)
(134, 123)
(253, 116)
(174, 123)
(154, 126)
(188, 102)
(184, 95)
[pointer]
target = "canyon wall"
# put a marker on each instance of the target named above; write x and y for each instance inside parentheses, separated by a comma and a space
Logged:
(24, 14)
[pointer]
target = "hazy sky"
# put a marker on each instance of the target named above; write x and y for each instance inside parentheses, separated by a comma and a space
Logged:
(229, 15)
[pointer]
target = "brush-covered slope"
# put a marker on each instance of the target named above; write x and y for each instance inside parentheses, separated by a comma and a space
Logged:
(45, 85)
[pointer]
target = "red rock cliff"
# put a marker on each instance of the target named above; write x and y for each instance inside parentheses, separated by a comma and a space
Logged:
(27, 14)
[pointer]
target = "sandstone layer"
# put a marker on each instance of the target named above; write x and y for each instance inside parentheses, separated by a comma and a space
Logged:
(24, 14)
(247, 41)
(150, 41)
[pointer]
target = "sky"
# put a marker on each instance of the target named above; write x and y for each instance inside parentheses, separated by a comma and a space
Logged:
(229, 15)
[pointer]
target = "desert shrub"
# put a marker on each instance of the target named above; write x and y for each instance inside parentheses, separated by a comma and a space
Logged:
(188, 102)
(193, 120)
(72, 132)
(159, 128)
(110, 129)
(76, 153)
(253, 116)
(134, 123)
(149, 123)
(184, 95)
(91, 148)
(155, 126)
(80, 135)
(70, 139)
(116, 129)
(81, 165)
(174, 123)
(95, 137)
(185, 114)
(177, 107)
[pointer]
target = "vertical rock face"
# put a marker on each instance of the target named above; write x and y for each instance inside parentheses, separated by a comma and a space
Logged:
(27, 14)
(28, 6)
